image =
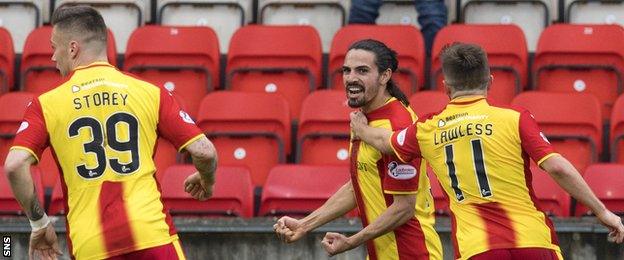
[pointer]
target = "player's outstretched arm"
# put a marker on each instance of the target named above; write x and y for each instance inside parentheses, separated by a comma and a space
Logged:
(43, 240)
(564, 173)
(200, 184)
(377, 137)
(290, 230)
(401, 210)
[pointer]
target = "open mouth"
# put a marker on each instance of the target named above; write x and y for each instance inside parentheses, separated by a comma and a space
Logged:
(353, 90)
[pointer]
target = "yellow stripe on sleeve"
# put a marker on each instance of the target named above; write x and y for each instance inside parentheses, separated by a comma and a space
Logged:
(27, 150)
(197, 137)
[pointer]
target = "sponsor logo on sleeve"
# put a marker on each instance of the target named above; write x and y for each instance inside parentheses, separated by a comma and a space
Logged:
(186, 117)
(401, 171)
(544, 137)
(22, 127)
(401, 137)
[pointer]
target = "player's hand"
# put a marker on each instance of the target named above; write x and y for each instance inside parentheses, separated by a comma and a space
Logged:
(288, 229)
(335, 243)
(44, 244)
(197, 187)
(358, 120)
(614, 224)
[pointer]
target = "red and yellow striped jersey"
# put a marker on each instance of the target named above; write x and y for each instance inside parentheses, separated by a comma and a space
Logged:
(102, 127)
(480, 154)
(376, 178)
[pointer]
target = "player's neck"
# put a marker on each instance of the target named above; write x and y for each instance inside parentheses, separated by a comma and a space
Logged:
(86, 60)
(467, 93)
(377, 102)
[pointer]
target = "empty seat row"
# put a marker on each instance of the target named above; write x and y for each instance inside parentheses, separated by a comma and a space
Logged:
(297, 190)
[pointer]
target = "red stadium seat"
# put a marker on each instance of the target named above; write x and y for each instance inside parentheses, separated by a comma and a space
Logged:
(323, 133)
(165, 155)
(571, 121)
(607, 182)
(405, 40)
(275, 59)
(7, 60)
(427, 102)
(617, 131)
(551, 198)
(232, 195)
(50, 171)
(506, 48)
(12, 108)
(248, 129)
(581, 58)
(440, 199)
(300, 189)
(184, 60)
(8, 204)
(38, 72)
(57, 202)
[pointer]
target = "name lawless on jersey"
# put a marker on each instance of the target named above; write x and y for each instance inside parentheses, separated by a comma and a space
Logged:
(469, 129)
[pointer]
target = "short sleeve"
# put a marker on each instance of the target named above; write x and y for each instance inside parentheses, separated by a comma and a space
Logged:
(534, 142)
(400, 178)
(405, 144)
(32, 134)
(174, 124)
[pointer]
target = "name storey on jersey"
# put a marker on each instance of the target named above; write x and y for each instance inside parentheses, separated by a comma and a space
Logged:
(103, 98)
(469, 129)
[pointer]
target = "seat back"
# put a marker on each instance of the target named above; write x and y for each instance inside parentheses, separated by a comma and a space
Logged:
(38, 72)
(323, 132)
(232, 194)
(327, 16)
(607, 182)
(300, 189)
(594, 12)
(410, 49)
(184, 60)
(427, 102)
(20, 17)
(616, 139)
(571, 122)
(8, 203)
(224, 16)
(440, 199)
(532, 16)
(12, 108)
(581, 58)
(165, 155)
(248, 129)
(506, 49)
(7, 60)
(282, 60)
(551, 198)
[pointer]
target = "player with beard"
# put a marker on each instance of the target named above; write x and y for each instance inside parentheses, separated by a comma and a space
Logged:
(393, 198)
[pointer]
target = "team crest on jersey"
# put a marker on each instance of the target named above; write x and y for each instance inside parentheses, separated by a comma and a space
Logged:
(22, 127)
(186, 117)
(441, 123)
(401, 137)
(401, 171)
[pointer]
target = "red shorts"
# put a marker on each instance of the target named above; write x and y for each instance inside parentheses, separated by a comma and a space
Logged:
(517, 254)
(172, 251)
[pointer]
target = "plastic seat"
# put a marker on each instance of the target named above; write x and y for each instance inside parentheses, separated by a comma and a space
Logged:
(12, 108)
(284, 60)
(594, 12)
(232, 194)
(184, 60)
(532, 16)
(57, 201)
(297, 190)
(7, 60)
(38, 72)
(581, 58)
(403, 12)
(50, 172)
(323, 133)
(248, 129)
(607, 182)
(8, 203)
(410, 49)
(20, 17)
(617, 131)
(506, 48)
(440, 199)
(551, 198)
(165, 155)
(224, 16)
(427, 102)
(121, 16)
(570, 121)
(327, 16)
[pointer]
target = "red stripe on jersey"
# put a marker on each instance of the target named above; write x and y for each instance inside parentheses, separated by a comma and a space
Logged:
(65, 203)
(453, 229)
(498, 226)
(381, 171)
(114, 218)
(168, 220)
(528, 176)
(394, 111)
(410, 240)
(370, 246)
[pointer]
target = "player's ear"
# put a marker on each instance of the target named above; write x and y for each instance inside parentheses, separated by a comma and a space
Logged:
(74, 48)
(385, 76)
